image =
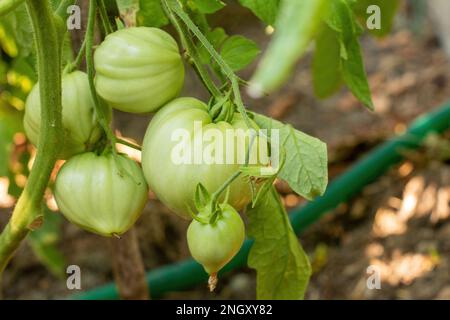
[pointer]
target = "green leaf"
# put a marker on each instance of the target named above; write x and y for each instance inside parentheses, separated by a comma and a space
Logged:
(202, 197)
(266, 10)
(305, 167)
(295, 28)
(17, 28)
(238, 52)
(326, 66)
(208, 6)
(388, 9)
(10, 123)
(282, 267)
(44, 242)
(151, 14)
(258, 194)
(353, 70)
(354, 74)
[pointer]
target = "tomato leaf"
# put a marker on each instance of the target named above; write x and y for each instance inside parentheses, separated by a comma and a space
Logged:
(266, 10)
(295, 28)
(18, 34)
(354, 74)
(208, 6)
(151, 14)
(326, 66)
(282, 267)
(353, 71)
(239, 52)
(305, 167)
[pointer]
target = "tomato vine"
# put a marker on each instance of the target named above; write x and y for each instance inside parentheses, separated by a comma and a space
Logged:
(27, 212)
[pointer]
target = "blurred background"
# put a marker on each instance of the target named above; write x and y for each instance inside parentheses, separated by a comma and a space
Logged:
(400, 223)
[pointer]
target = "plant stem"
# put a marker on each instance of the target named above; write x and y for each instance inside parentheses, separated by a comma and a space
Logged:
(27, 213)
(7, 6)
(174, 5)
(128, 268)
(129, 144)
(99, 107)
(191, 50)
(76, 63)
(229, 181)
(104, 16)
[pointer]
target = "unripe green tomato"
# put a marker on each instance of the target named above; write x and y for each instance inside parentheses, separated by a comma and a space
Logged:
(214, 245)
(138, 69)
(104, 194)
(80, 125)
(174, 181)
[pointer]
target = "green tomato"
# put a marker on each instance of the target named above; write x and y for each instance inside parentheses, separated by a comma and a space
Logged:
(174, 180)
(104, 194)
(138, 69)
(80, 125)
(214, 245)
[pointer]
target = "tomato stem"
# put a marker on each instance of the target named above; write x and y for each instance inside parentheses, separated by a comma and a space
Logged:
(229, 181)
(104, 17)
(128, 144)
(28, 208)
(191, 50)
(98, 103)
(76, 63)
(227, 71)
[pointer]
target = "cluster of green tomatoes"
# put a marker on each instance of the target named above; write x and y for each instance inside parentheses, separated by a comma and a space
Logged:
(140, 70)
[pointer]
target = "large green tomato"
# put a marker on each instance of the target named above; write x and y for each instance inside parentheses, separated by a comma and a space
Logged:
(172, 132)
(138, 69)
(104, 194)
(214, 245)
(80, 125)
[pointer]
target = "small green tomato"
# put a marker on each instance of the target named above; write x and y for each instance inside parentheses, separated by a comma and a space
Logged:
(213, 245)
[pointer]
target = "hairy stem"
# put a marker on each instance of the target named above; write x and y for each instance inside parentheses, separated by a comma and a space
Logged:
(191, 50)
(100, 109)
(27, 213)
(227, 71)
(128, 144)
(104, 17)
(79, 58)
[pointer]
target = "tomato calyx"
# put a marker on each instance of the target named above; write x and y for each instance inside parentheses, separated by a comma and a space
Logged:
(222, 109)
(207, 206)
